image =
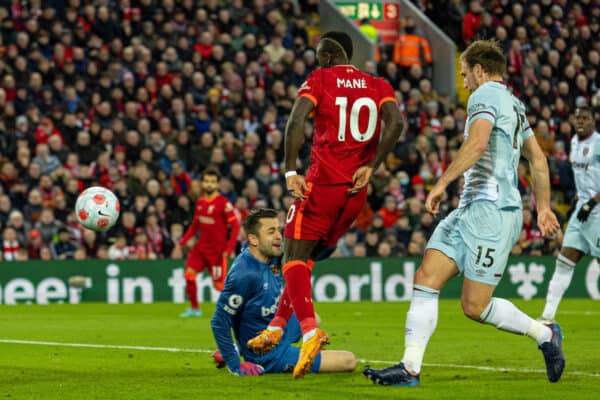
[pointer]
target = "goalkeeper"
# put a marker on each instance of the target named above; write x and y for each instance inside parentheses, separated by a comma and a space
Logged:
(249, 300)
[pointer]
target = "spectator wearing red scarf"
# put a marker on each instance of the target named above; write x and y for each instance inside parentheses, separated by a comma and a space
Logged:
(10, 244)
(180, 179)
(45, 130)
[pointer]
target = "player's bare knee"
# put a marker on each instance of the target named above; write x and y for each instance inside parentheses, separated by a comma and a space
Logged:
(571, 254)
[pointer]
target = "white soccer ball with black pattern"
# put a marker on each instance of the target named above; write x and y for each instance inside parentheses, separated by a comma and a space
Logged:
(97, 208)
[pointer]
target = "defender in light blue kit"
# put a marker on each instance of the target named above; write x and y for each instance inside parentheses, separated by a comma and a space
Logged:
(583, 232)
(477, 237)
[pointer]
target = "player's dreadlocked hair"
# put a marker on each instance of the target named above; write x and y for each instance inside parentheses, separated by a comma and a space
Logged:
(252, 221)
(341, 43)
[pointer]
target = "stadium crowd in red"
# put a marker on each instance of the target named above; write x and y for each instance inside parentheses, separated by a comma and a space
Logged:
(141, 96)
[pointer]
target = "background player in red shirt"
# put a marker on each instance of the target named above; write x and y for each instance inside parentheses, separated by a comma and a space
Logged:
(348, 108)
(213, 217)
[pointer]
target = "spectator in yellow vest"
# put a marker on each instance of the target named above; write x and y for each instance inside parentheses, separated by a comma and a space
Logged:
(369, 30)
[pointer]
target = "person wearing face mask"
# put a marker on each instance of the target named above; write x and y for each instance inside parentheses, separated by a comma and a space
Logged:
(411, 49)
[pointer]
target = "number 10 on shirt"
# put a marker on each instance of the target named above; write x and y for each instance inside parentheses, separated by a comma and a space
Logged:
(342, 103)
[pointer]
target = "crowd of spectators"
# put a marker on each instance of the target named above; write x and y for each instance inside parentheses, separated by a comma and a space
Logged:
(141, 96)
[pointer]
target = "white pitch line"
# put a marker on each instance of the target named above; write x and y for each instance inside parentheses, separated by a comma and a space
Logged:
(363, 360)
(579, 312)
(486, 368)
(105, 346)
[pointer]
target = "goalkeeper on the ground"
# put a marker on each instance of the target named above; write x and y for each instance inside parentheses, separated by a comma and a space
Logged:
(249, 300)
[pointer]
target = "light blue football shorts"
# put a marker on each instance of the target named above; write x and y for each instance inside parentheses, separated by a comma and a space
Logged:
(479, 238)
(585, 236)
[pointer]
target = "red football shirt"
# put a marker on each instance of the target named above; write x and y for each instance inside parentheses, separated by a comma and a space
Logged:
(212, 217)
(347, 121)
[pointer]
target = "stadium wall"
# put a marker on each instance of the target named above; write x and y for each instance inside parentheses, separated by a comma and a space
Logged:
(443, 50)
(340, 279)
(331, 18)
(442, 47)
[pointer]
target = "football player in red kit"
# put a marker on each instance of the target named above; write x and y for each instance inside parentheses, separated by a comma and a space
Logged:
(214, 216)
(348, 146)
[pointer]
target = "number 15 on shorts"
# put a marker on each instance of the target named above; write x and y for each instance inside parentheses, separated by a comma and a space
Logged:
(485, 256)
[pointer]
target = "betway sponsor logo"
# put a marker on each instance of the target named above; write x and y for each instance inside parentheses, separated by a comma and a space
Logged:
(266, 311)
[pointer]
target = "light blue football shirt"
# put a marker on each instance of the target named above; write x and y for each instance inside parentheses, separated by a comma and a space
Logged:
(585, 161)
(494, 176)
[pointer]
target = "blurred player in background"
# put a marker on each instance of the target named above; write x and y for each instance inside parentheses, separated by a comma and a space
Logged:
(476, 238)
(583, 232)
(347, 147)
(214, 216)
(252, 290)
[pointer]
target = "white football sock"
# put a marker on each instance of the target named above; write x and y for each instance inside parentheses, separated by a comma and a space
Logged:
(273, 328)
(309, 335)
(561, 279)
(505, 316)
(421, 321)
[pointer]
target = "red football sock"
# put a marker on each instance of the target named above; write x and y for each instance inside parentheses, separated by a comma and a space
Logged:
(284, 310)
(297, 277)
(191, 288)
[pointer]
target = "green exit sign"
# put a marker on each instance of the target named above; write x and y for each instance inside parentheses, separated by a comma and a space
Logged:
(360, 10)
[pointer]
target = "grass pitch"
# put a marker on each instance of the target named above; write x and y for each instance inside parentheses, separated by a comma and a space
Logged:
(165, 357)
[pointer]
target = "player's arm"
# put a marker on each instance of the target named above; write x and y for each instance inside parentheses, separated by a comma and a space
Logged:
(540, 174)
(234, 228)
(191, 231)
(394, 124)
(469, 153)
(229, 307)
(294, 137)
(587, 208)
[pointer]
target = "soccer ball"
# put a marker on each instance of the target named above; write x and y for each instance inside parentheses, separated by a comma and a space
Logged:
(97, 208)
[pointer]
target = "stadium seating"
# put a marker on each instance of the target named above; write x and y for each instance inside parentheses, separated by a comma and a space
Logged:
(141, 99)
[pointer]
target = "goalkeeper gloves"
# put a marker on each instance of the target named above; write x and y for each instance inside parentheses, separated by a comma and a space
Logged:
(586, 210)
(248, 369)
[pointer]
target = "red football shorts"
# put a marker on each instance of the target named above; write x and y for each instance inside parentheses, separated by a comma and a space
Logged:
(214, 262)
(325, 215)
